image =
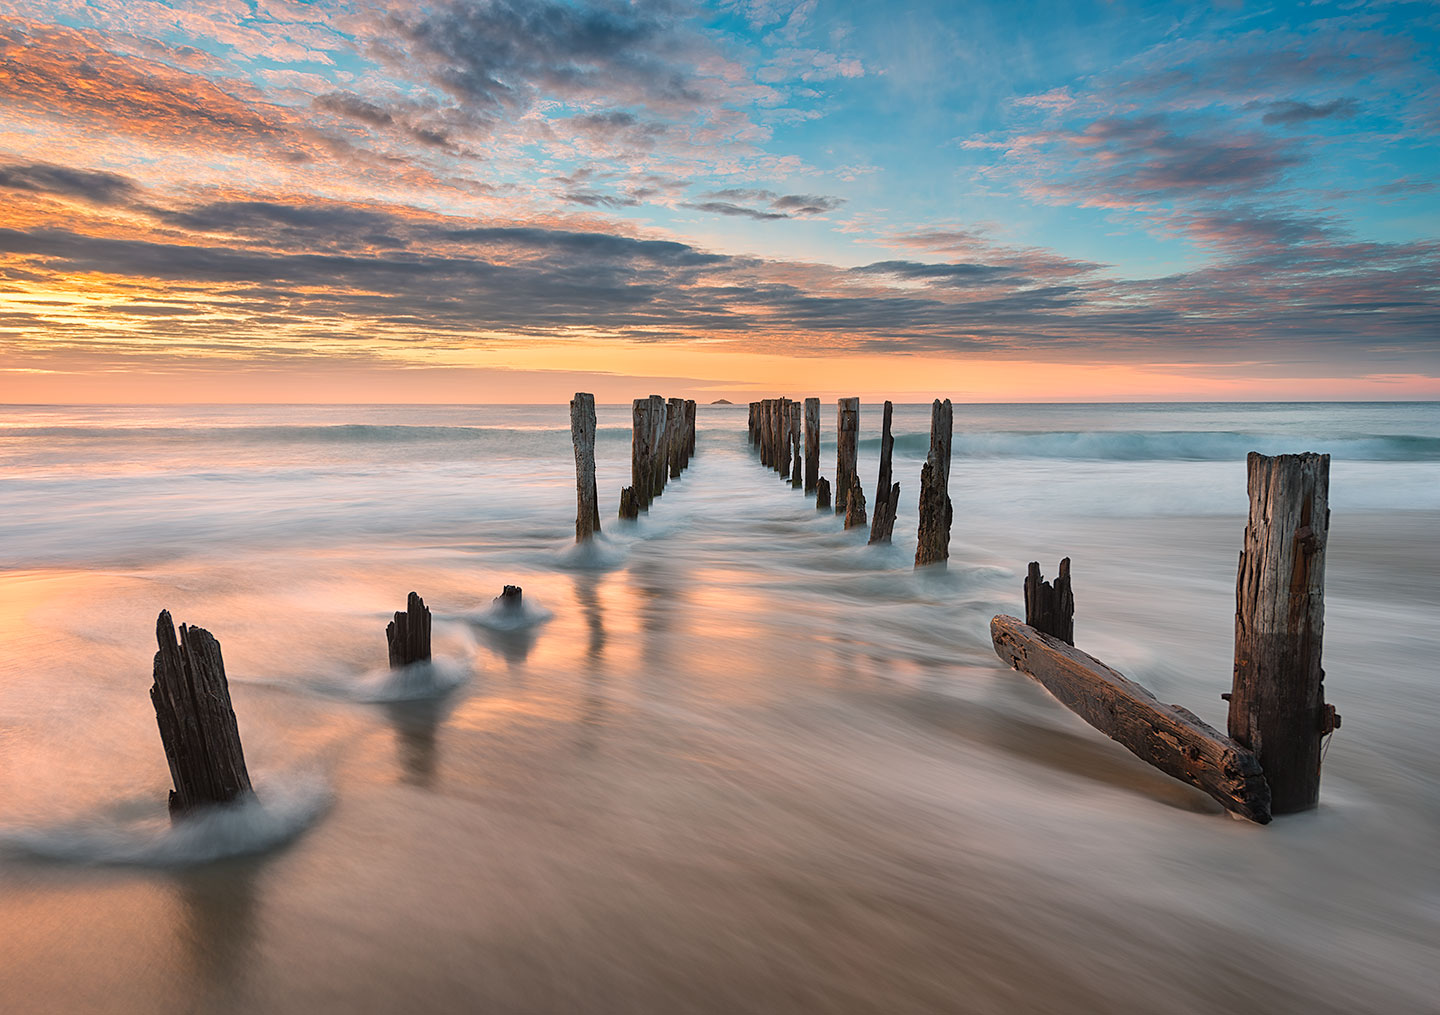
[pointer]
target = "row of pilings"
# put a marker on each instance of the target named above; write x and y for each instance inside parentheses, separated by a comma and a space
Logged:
(775, 429)
(661, 445)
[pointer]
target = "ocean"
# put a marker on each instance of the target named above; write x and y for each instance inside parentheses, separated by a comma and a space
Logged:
(731, 759)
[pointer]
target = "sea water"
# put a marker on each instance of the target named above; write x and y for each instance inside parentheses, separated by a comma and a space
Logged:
(730, 758)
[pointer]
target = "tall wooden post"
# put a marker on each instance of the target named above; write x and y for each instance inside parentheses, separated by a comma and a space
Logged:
(409, 634)
(762, 424)
(675, 436)
(1050, 609)
(847, 432)
(782, 437)
(197, 724)
(582, 435)
(639, 473)
(795, 468)
(689, 429)
(887, 492)
(936, 512)
(656, 460)
(1277, 702)
(812, 443)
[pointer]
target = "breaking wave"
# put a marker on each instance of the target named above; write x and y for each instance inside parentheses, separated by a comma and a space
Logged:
(1166, 445)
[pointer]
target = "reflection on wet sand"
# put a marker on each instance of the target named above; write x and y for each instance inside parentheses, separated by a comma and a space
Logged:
(592, 714)
(417, 725)
(217, 929)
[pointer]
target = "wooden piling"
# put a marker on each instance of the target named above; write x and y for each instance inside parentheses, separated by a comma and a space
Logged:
(750, 423)
(847, 432)
(1049, 608)
(812, 444)
(511, 598)
(1277, 701)
(629, 503)
(782, 437)
(582, 435)
(675, 436)
(409, 634)
(689, 430)
(639, 469)
(887, 492)
(796, 465)
(855, 505)
(197, 723)
(822, 494)
(936, 511)
(762, 427)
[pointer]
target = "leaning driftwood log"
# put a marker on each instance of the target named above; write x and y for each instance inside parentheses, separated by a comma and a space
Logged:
(582, 434)
(887, 492)
(197, 724)
(812, 443)
(409, 634)
(932, 544)
(847, 432)
(822, 494)
(1050, 609)
(1277, 702)
(1171, 738)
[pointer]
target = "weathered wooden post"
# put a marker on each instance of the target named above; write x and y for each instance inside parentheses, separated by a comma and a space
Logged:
(511, 598)
(847, 432)
(762, 426)
(887, 492)
(796, 410)
(409, 634)
(936, 512)
(1277, 701)
(754, 411)
(782, 437)
(582, 435)
(639, 470)
(629, 504)
(1050, 609)
(197, 724)
(812, 444)
(689, 429)
(675, 436)
(822, 494)
(855, 505)
(647, 464)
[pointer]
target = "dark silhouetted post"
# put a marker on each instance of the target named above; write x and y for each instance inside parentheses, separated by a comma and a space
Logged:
(197, 725)
(887, 492)
(1050, 609)
(812, 444)
(847, 432)
(933, 543)
(409, 634)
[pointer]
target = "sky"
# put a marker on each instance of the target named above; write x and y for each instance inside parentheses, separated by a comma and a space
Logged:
(511, 200)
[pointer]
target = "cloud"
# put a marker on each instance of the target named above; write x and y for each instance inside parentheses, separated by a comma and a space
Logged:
(734, 210)
(726, 202)
(90, 185)
(1291, 112)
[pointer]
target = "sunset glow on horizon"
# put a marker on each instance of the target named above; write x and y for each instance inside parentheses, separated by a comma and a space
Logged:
(507, 201)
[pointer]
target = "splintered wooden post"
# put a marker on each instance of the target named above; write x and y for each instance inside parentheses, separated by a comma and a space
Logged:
(855, 505)
(754, 412)
(796, 477)
(689, 429)
(847, 432)
(1050, 609)
(582, 434)
(812, 444)
(933, 542)
(762, 425)
(1170, 737)
(887, 492)
(639, 436)
(409, 634)
(197, 724)
(822, 494)
(511, 598)
(1277, 702)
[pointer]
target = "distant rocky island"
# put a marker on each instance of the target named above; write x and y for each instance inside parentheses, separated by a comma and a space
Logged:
(722, 401)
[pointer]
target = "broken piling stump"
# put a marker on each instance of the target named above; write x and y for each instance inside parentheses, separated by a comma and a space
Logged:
(409, 634)
(887, 492)
(847, 432)
(511, 598)
(582, 435)
(1171, 738)
(197, 723)
(812, 444)
(629, 504)
(1050, 609)
(932, 545)
(1277, 700)
(855, 505)
(822, 494)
